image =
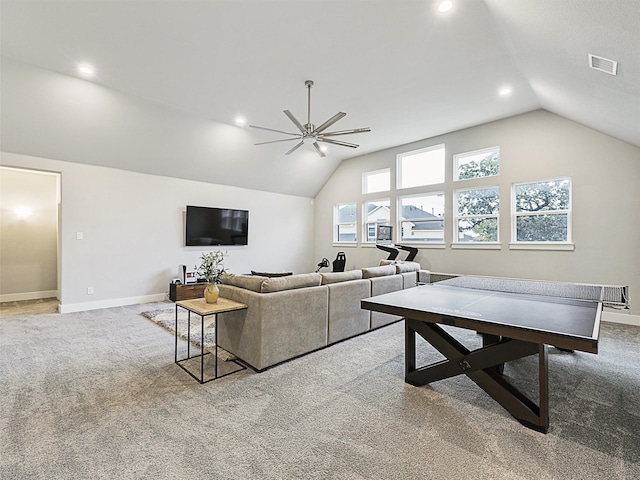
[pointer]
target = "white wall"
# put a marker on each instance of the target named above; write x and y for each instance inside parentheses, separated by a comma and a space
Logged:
(605, 176)
(50, 115)
(28, 241)
(133, 231)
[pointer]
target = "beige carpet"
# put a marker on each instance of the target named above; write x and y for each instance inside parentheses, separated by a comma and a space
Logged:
(97, 395)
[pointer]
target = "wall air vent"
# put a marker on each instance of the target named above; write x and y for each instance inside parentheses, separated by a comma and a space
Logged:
(603, 64)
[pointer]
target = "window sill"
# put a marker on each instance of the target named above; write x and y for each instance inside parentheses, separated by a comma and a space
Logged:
(345, 244)
(476, 246)
(542, 246)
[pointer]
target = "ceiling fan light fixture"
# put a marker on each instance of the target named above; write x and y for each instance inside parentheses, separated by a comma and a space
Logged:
(308, 133)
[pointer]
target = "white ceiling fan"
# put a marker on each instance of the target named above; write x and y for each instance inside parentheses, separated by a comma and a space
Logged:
(309, 133)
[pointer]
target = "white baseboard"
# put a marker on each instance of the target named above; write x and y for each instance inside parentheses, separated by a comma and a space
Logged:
(617, 317)
(17, 297)
(113, 302)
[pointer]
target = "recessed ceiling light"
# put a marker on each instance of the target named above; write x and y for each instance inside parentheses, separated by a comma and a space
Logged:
(505, 91)
(241, 121)
(445, 6)
(86, 70)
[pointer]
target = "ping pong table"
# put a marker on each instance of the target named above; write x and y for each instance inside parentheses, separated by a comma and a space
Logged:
(515, 321)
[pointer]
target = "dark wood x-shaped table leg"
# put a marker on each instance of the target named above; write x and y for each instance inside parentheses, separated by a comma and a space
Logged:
(483, 366)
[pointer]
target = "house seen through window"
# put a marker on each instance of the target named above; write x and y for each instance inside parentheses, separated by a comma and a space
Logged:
(422, 218)
(375, 213)
(345, 223)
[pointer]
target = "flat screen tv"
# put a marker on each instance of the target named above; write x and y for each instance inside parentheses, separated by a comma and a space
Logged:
(216, 226)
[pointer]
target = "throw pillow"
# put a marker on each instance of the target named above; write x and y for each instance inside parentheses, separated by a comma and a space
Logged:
(271, 274)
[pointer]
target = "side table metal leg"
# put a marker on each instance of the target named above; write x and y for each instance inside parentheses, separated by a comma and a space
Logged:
(176, 335)
(201, 348)
(188, 333)
(215, 339)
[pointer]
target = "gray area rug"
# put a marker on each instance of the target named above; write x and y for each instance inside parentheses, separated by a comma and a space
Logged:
(96, 395)
(167, 318)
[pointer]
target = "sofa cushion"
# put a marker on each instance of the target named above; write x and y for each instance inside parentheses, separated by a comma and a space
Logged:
(382, 271)
(404, 267)
(291, 282)
(248, 282)
(271, 274)
(335, 277)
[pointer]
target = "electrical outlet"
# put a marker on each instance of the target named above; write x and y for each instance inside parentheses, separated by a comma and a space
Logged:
(79, 236)
(89, 290)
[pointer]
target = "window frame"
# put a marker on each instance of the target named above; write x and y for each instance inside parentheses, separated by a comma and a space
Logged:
(337, 223)
(457, 216)
(401, 156)
(365, 223)
(400, 219)
(457, 156)
(365, 182)
(542, 244)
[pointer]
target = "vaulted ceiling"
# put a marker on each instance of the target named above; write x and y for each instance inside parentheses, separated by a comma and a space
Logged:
(400, 67)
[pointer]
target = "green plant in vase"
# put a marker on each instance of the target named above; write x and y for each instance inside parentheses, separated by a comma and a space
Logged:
(213, 271)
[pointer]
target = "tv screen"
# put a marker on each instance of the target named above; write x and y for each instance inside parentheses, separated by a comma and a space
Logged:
(216, 226)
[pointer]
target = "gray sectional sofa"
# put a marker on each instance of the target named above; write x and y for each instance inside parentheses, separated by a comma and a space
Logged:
(297, 314)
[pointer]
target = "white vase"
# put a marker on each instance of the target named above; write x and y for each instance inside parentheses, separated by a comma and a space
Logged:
(211, 293)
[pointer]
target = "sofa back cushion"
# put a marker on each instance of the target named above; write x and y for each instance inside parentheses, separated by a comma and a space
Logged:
(335, 277)
(372, 272)
(402, 266)
(248, 282)
(290, 282)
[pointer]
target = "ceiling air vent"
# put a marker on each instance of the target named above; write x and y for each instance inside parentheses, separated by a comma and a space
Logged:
(603, 64)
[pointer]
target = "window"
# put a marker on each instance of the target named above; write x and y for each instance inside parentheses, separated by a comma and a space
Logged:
(476, 218)
(477, 164)
(542, 211)
(421, 167)
(422, 218)
(377, 181)
(345, 223)
(375, 213)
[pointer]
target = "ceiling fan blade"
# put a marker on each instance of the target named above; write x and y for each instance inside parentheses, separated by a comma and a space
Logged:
(319, 150)
(295, 121)
(336, 142)
(347, 132)
(274, 130)
(277, 141)
(295, 147)
(329, 122)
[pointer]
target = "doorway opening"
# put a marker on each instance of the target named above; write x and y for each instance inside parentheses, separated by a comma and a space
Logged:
(30, 203)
